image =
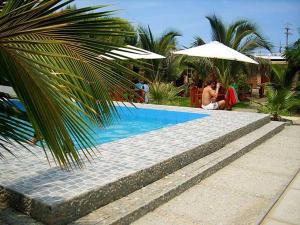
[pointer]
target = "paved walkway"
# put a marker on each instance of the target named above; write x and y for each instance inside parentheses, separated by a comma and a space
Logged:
(241, 192)
(286, 211)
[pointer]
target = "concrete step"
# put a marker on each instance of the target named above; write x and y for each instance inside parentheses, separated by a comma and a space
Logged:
(146, 199)
(56, 199)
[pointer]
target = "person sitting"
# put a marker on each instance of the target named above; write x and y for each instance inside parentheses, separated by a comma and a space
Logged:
(146, 91)
(138, 85)
(139, 92)
(210, 95)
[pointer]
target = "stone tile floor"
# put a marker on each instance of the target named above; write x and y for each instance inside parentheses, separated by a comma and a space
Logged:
(32, 176)
(240, 193)
(286, 211)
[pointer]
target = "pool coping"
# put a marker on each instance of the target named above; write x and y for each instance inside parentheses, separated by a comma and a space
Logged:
(79, 204)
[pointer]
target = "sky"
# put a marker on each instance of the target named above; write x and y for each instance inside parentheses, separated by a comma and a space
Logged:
(188, 16)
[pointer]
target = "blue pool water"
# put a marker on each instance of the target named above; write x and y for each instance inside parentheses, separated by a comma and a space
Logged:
(133, 121)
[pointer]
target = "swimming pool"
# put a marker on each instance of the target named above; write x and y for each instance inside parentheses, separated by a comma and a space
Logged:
(133, 121)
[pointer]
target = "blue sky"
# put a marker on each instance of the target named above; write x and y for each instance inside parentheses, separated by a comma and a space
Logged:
(188, 16)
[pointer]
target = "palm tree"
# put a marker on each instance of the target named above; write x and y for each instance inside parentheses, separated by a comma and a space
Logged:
(172, 67)
(279, 101)
(202, 66)
(162, 45)
(241, 35)
(121, 40)
(125, 27)
(282, 97)
(48, 59)
(283, 76)
(292, 55)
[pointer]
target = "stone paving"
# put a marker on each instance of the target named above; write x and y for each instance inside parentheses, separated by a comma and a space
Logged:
(32, 177)
(286, 211)
(240, 193)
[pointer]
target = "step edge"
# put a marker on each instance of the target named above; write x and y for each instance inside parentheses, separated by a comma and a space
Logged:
(180, 160)
(151, 205)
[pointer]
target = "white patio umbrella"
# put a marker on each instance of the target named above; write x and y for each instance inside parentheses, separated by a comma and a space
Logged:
(216, 50)
(131, 52)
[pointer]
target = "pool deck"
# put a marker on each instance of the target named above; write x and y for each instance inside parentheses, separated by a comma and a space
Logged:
(51, 194)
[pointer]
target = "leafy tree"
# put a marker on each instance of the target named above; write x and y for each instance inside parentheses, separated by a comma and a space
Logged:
(48, 58)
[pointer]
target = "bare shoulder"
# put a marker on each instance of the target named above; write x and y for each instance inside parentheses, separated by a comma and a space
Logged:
(206, 89)
(211, 91)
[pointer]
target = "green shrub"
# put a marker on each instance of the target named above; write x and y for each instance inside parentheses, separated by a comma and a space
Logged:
(243, 84)
(161, 93)
(279, 102)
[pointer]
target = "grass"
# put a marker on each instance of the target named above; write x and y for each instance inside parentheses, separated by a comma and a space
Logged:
(242, 105)
(185, 102)
(178, 101)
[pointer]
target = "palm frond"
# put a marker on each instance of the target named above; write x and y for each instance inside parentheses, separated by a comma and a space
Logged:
(146, 38)
(173, 67)
(292, 55)
(218, 28)
(252, 43)
(162, 45)
(279, 101)
(161, 92)
(51, 63)
(232, 30)
(166, 42)
(197, 41)
(203, 66)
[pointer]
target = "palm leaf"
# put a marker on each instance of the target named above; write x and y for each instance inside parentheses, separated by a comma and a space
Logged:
(162, 45)
(197, 41)
(49, 60)
(232, 30)
(218, 29)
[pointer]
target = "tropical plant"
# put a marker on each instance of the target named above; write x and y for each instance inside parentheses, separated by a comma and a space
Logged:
(282, 97)
(263, 68)
(243, 84)
(279, 101)
(125, 26)
(241, 35)
(284, 76)
(52, 64)
(292, 55)
(163, 45)
(202, 66)
(278, 77)
(172, 68)
(161, 92)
